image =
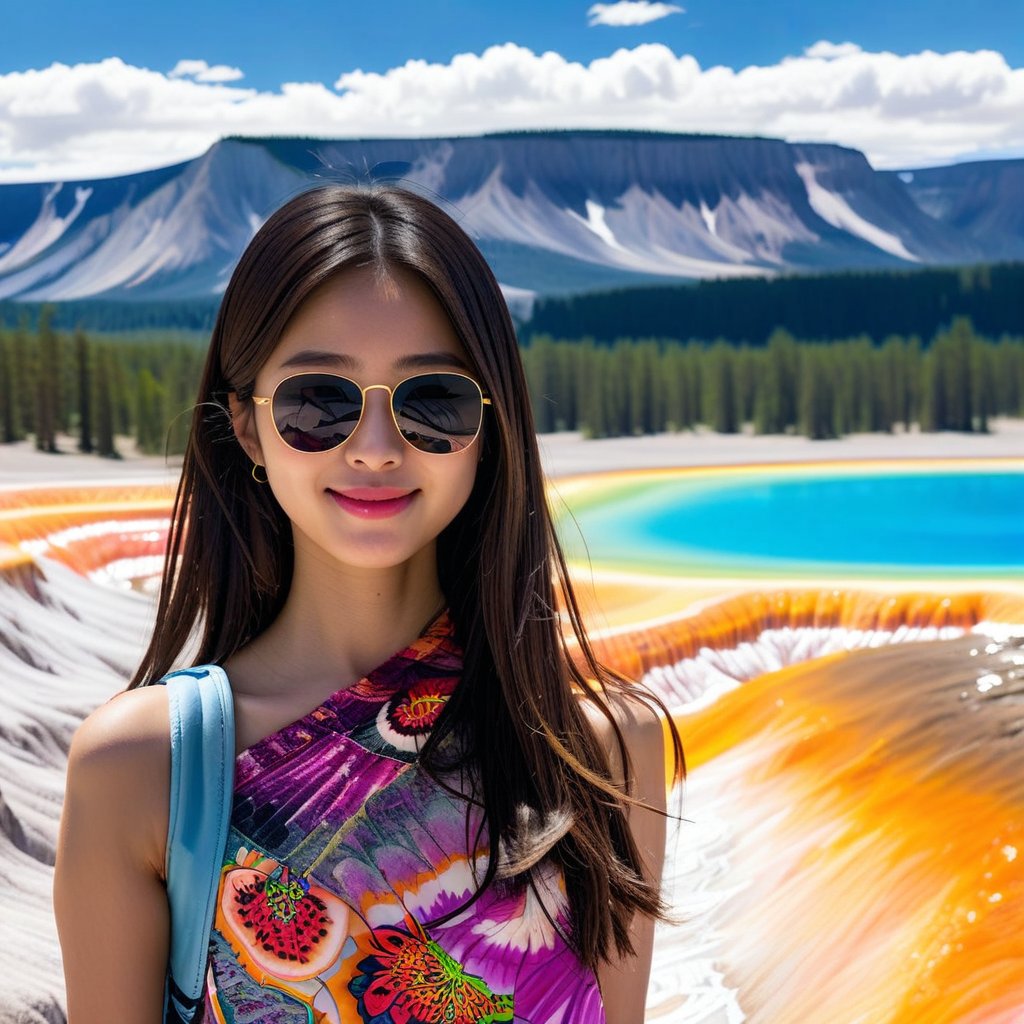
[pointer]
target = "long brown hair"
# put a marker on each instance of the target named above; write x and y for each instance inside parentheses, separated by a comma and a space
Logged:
(517, 714)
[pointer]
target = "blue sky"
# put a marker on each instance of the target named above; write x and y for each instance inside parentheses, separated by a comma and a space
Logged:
(87, 91)
(274, 42)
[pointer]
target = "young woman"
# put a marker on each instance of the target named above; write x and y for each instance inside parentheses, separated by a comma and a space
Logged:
(439, 814)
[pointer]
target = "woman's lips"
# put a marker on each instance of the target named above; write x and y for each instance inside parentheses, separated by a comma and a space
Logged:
(373, 502)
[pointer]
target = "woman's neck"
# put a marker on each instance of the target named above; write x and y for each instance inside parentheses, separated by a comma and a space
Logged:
(340, 622)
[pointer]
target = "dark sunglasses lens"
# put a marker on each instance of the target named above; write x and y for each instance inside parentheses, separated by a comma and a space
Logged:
(315, 412)
(438, 412)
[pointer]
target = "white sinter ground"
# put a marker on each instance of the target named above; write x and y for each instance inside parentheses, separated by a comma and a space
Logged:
(74, 644)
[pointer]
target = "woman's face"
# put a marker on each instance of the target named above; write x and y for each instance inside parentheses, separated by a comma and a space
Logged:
(375, 501)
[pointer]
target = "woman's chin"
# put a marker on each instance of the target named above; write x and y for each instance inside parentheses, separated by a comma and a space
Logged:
(368, 553)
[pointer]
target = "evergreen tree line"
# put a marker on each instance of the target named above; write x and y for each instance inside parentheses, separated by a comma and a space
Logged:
(166, 316)
(841, 305)
(54, 383)
(819, 389)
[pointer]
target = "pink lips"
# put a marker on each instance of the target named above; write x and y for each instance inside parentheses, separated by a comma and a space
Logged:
(373, 502)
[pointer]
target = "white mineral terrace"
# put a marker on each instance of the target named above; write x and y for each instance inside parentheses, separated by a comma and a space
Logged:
(68, 647)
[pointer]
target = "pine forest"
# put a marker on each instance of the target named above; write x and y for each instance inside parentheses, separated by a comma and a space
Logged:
(100, 387)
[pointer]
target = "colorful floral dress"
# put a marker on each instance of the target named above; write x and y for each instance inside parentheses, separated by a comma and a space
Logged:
(342, 856)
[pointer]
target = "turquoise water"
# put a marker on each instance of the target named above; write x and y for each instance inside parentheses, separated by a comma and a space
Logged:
(904, 524)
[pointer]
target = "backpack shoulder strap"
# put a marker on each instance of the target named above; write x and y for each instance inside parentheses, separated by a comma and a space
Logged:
(202, 780)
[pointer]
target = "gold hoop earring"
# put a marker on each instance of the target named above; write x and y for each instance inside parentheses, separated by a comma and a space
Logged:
(252, 472)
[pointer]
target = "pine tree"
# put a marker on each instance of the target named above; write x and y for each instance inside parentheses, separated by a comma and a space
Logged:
(912, 398)
(1008, 362)
(673, 370)
(67, 396)
(862, 362)
(595, 414)
(746, 382)
(815, 393)
(954, 350)
(983, 396)
(844, 389)
(775, 393)
(149, 413)
(933, 391)
(121, 392)
(694, 380)
(10, 426)
(722, 389)
(541, 379)
(104, 405)
(568, 356)
(47, 391)
(181, 382)
(618, 392)
(889, 382)
(23, 368)
(646, 397)
(84, 368)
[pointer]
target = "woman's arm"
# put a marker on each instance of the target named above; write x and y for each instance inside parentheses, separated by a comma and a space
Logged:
(624, 981)
(108, 893)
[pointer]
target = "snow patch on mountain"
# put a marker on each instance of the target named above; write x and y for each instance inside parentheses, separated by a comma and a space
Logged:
(835, 210)
(40, 278)
(764, 226)
(595, 220)
(640, 231)
(667, 239)
(493, 212)
(195, 225)
(708, 216)
(46, 230)
(123, 258)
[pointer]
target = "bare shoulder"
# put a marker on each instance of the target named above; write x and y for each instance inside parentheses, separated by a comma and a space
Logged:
(119, 767)
(640, 724)
(131, 730)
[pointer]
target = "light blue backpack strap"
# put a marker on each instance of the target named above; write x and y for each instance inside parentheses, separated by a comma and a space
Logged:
(202, 780)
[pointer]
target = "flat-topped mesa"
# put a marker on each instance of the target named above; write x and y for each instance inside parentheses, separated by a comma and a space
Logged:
(554, 211)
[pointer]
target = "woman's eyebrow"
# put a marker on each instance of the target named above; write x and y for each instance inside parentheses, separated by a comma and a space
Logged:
(315, 357)
(415, 360)
(341, 360)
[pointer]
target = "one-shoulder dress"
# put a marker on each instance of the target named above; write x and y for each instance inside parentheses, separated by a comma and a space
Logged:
(343, 856)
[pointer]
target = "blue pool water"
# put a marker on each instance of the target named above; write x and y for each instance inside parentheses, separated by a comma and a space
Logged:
(907, 524)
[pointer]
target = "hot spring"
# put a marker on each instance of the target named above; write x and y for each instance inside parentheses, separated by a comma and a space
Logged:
(910, 520)
(839, 645)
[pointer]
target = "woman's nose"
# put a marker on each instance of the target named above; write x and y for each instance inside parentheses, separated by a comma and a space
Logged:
(375, 443)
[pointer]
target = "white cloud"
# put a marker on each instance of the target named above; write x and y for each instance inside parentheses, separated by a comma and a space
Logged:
(92, 120)
(203, 72)
(630, 12)
(828, 51)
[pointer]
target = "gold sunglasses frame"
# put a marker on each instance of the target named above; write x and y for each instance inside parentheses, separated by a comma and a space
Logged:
(268, 400)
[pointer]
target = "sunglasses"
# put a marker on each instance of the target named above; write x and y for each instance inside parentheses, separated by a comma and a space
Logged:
(439, 413)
